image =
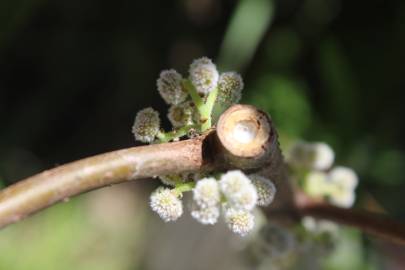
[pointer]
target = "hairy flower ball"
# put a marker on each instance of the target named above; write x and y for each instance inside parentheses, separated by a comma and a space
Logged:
(342, 197)
(344, 177)
(239, 221)
(322, 156)
(182, 114)
(266, 190)
(206, 192)
(166, 204)
(238, 190)
(146, 126)
(170, 87)
(316, 184)
(318, 156)
(206, 215)
(203, 75)
(230, 87)
(233, 182)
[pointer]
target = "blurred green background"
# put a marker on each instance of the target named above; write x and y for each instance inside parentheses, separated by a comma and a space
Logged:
(74, 73)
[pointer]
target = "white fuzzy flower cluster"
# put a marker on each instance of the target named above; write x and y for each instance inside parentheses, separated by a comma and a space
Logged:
(317, 156)
(338, 185)
(146, 126)
(239, 197)
(166, 204)
(343, 183)
(207, 199)
(194, 106)
(314, 161)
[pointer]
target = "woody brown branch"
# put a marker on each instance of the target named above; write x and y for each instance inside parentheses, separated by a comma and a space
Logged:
(215, 150)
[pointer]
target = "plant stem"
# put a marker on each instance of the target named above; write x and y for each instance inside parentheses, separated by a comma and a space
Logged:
(184, 187)
(206, 110)
(372, 223)
(195, 97)
(45, 189)
(165, 137)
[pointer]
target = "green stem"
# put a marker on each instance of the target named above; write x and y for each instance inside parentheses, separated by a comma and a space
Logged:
(198, 101)
(177, 133)
(207, 108)
(184, 187)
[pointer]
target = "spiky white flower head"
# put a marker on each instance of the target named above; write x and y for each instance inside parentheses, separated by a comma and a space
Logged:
(206, 192)
(318, 156)
(233, 182)
(246, 199)
(238, 190)
(230, 85)
(166, 204)
(343, 176)
(316, 183)
(342, 197)
(322, 156)
(239, 221)
(182, 114)
(266, 190)
(206, 215)
(146, 126)
(203, 75)
(170, 87)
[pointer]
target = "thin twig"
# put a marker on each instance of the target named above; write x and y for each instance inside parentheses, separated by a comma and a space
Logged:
(368, 222)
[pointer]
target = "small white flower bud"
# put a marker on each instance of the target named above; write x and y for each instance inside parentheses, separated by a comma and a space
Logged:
(322, 156)
(318, 156)
(146, 126)
(266, 190)
(344, 177)
(166, 204)
(170, 87)
(239, 221)
(206, 215)
(233, 182)
(246, 199)
(206, 192)
(342, 197)
(238, 190)
(316, 184)
(230, 87)
(203, 75)
(182, 115)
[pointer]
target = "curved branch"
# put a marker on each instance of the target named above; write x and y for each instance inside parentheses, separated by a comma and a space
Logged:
(42, 190)
(368, 222)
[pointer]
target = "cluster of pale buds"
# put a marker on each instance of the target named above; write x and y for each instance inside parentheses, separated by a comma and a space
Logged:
(312, 162)
(195, 102)
(234, 194)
